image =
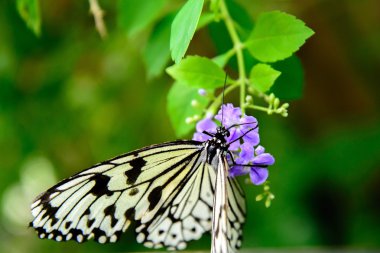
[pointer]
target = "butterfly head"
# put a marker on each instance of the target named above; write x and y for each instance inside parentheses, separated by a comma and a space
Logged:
(222, 132)
(219, 138)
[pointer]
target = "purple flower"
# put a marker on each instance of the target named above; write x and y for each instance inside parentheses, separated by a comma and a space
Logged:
(230, 114)
(207, 125)
(244, 136)
(258, 162)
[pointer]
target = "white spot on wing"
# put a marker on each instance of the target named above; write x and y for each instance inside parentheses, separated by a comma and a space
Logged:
(181, 245)
(113, 238)
(148, 244)
(80, 238)
(140, 238)
(102, 239)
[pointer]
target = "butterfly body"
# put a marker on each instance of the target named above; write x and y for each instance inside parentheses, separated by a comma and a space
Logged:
(168, 189)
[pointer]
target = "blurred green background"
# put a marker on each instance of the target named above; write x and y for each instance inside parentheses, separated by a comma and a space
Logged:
(69, 100)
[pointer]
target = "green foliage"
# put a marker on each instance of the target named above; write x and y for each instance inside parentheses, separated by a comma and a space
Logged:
(277, 36)
(263, 76)
(291, 82)
(157, 53)
(245, 47)
(184, 102)
(183, 28)
(77, 109)
(29, 11)
(135, 15)
(199, 72)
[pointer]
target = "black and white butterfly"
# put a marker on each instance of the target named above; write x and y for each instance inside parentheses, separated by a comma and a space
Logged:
(174, 191)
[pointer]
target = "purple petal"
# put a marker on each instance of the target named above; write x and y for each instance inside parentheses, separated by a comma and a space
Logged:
(237, 171)
(259, 150)
(231, 115)
(247, 153)
(252, 138)
(233, 136)
(234, 146)
(249, 119)
(258, 175)
(265, 159)
(200, 137)
(206, 124)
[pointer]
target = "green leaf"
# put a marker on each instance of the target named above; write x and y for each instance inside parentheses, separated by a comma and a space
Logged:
(290, 84)
(157, 54)
(183, 28)
(29, 11)
(180, 107)
(222, 59)
(263, 76)
(276, 36)
(205, 19)
(134, 15)
(199, 72)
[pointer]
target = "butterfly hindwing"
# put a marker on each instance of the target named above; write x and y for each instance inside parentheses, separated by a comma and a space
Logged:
(186, 215)
(229, 211)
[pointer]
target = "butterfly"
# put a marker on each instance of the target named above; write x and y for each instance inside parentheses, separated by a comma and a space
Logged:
(174, 192)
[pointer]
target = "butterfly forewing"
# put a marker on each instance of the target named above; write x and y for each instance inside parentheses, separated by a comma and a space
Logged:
(101, 201)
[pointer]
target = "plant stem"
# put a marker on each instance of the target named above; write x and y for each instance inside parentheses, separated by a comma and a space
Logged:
(238, 46)
(257, 107)
(218, 100)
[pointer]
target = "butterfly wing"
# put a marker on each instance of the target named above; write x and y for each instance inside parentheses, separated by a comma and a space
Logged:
(228, 212)
(100, 202)
(167, 188)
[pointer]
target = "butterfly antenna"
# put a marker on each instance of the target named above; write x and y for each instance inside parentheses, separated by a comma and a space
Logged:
(224, 88)
(244, 134)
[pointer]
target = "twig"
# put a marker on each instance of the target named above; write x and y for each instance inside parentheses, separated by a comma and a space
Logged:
(98, 14)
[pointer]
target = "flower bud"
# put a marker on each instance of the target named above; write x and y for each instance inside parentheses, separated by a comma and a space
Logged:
(194, 103)
(276, 103)
(189, 120)
(259, 197)
(271, 97)
(267, 202)
(202, 92)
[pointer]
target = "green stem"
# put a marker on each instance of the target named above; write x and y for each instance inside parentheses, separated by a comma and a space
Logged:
(257, 107)
(218, 100)
(238, 46)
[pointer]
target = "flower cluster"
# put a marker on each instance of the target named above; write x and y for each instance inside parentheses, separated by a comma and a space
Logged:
(248, 156)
